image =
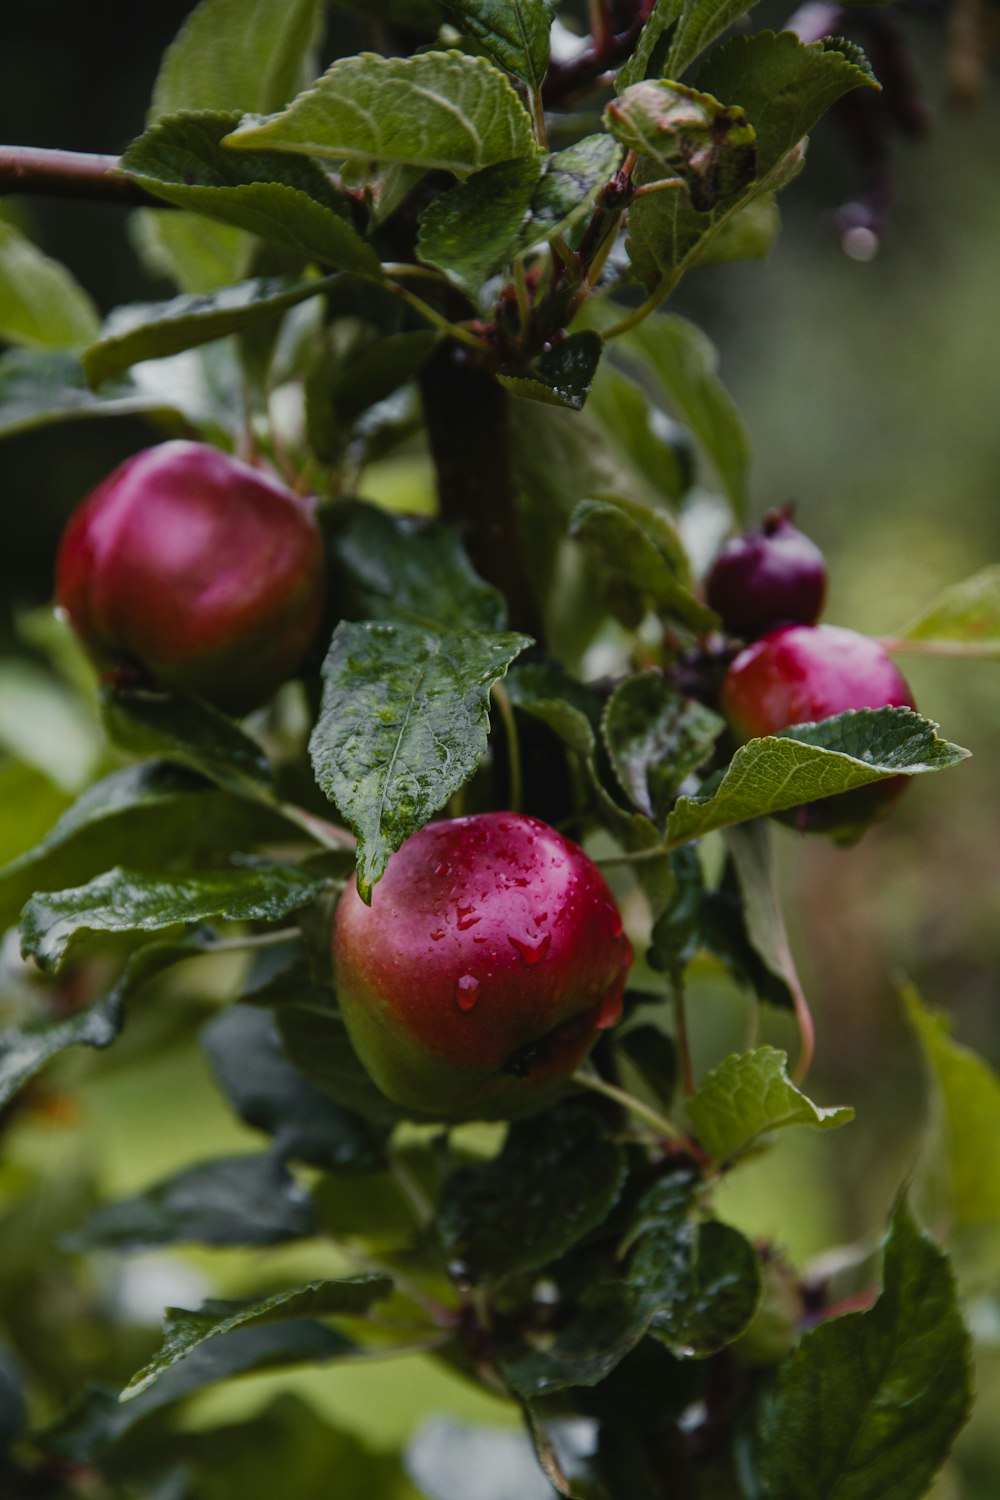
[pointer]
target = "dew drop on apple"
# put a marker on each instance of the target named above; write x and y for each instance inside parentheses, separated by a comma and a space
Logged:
(466, 991)
(532, 950)
(466, 917)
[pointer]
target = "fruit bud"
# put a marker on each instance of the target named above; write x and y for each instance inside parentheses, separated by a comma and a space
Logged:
(770, 574)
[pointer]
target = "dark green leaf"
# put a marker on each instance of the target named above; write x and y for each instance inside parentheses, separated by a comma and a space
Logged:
(184, 1330)
(631, 541)
(245, 1048)
(41, 305)
(869, 1404)
(190, 731)
(751, 854)
(562, 376)
(809, 761)
(571, 181)
(341, 390)
(653, 1055)
(698, 25)
(473, 229)
(557, 1178)
(285, 201)
(683, 360)
(134, 901)
(236, 1200)
(317, 1043)
(403, 725)
(656, 738)
(678, 930)
(388, 567)
(515, 33)
(39, 388)
(100, 1420)
(784, 85)
(749, 235)
(653, 445)
(171, 814)
(236, 54)
(154, 329)
(689, 135)
(441, 110)
(749, 1095)
(963, 621)
(651, 47)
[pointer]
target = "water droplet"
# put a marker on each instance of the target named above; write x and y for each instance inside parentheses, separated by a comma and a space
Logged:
(437, 934)
(532, 950)
(466, 991)
(442, 868)
(610, 1012)
(465, 917)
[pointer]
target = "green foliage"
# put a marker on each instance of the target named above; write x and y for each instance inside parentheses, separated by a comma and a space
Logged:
(964, 620)
(41, 306)
(471, 230)
(749, 1095)
(515, 33)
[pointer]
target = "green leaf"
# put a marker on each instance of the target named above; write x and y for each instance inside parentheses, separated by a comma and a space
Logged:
(99, 1420)
(170, 814)
(688, 134)
(628, 538)
(191, 732)
(403, 724)
(245, 1048)
(809, 761)
(750, 235)
(195, 253)
(438, 110)
(749, 1095)
(286, 202)
(317, 1043)
(963, 621)
(560, 377)
(46, 725)
(235, 1200)
(387, 567)
(236, 55)
(656, 738)
(684, 362)
(557, 1178)
(652, 44)
(41, 304)
(472, 230)
(751, 852)
(784, 85)
(655, 447)
(964, 1159)
(133, 901)
(25, 1050)
(152, 330)
(653, 1055)
(868, 1405)
(569, 187)
(184, 1330)
(698, 25)
(39, 389)
(515, 33)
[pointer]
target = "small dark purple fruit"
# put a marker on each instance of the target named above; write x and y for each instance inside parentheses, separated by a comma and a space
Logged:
(771, 574)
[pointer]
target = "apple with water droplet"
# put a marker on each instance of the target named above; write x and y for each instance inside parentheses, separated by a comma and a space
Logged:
(490, 960)
(188, 570)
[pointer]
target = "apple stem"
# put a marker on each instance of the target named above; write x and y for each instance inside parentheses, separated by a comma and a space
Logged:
(327, 834)
(683, 1042)
(256, 940)
(501, 698)
(423, 1209)
(660, 1123)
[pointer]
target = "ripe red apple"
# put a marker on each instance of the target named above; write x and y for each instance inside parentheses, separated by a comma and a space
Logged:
(771, 573)
(196, 572)
(800, 674)
(490, 959)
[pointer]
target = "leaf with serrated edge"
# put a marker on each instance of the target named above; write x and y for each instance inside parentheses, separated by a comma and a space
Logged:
(748, 1095)
(190, 731)
(562, 375)
(404, 723)
(868, 1405)
(133, 901)
(616, 536)
(438, 110)
(655, 738)
(963, 621)
(41, 304)
(184, 1330)
(570, 183)
(472, 229)
(808, 761)
(287, 201)
(515, 33)
(153, 330)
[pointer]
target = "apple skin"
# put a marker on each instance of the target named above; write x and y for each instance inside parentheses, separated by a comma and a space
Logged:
(193, 572)
(770, 574)
(491, 958)
(800, 674)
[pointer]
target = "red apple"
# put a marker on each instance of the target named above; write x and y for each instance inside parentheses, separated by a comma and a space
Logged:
(196, 572)
(771, 573)
(801, 674)
(489, 961)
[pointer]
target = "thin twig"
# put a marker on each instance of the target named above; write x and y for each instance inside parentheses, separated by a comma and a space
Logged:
(515, 794)
(327, 834)
(70, 174)
(664, 1127)
(453, 330)
(683, 1042)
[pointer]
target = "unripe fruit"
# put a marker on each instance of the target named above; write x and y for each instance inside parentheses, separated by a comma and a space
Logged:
(769, 574)
(799, 674)
(195, 572)
(490, 959)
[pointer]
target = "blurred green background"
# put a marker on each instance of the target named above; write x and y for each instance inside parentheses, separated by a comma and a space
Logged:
(871, 391)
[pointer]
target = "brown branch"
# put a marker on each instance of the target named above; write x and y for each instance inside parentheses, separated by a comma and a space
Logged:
(69, 174)
(565, 81)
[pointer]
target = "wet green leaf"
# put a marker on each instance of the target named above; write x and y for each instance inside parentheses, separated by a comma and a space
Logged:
(749, 1095)
(471, 230)
(191, 732)
(560, 377)
(687, 134)
(515, 33)
(656, 738)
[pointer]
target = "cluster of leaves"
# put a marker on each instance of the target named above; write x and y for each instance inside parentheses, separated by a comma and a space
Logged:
(406, 221)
